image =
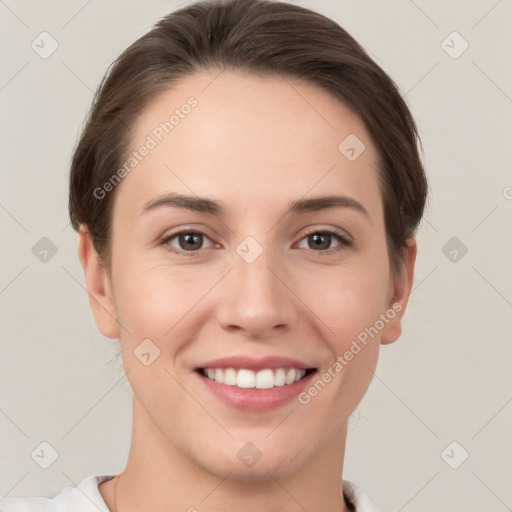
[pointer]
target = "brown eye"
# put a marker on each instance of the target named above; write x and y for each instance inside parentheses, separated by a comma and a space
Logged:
(320, 241)
(190, 241)
(185, 242)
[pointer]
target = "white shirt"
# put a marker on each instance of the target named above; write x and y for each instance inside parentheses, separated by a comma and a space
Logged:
(86, 497)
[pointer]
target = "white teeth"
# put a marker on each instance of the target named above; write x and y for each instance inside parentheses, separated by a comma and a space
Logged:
(280, 378)
(229, 377)
(245, 379)
(290, 376)
(264, 379)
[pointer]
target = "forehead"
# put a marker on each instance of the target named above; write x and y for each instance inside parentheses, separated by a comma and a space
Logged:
(237, 136)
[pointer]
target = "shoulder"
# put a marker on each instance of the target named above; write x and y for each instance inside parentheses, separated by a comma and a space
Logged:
(84, 497)
(357, 498)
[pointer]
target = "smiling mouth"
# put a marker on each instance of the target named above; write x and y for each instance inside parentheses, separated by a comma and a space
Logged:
(267, 378)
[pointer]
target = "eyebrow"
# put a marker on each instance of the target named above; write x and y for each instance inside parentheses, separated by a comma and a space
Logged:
(205, 205)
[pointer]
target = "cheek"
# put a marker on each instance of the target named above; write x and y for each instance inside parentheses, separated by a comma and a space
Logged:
(347, 300)
(158, 302)
(154, 304)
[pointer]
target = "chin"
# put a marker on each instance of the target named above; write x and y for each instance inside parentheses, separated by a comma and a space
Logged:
(241, 468)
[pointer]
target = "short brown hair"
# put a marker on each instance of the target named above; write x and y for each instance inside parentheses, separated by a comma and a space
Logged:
(263, 37)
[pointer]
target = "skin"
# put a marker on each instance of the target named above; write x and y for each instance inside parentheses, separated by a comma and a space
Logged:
(254, 144)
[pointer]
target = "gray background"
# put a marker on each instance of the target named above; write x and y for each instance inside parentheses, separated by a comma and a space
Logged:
(447, 379)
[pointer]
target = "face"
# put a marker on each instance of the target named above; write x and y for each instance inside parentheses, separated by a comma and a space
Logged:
(236, 285)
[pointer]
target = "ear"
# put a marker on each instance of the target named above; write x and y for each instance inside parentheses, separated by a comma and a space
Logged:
(98, 286)
(399, 291)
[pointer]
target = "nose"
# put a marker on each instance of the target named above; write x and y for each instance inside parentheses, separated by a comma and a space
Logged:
(256, 298)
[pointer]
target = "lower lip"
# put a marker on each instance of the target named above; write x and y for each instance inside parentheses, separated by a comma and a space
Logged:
(256, 400)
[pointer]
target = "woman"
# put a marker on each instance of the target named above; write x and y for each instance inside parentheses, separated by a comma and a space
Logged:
(246, 192)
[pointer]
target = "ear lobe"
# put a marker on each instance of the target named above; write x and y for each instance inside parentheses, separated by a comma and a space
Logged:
(400, 290)
(98, 286)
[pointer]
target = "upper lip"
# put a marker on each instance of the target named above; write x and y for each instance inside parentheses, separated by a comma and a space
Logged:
(255, 364)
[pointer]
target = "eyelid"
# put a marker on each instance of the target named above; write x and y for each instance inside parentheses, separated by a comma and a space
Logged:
(165, 240)
(330, 230)
(345, 240)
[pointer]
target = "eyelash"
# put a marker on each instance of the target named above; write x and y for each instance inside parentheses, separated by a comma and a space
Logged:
(344, 242)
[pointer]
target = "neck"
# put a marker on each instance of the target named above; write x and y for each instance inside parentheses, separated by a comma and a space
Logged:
(160, 477)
